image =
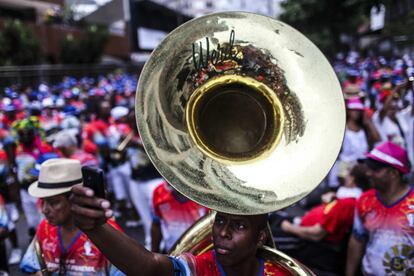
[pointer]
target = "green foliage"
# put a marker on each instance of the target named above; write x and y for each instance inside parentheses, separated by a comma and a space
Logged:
(403, 26)
(323, 21)
(18, 45)
(86, 49)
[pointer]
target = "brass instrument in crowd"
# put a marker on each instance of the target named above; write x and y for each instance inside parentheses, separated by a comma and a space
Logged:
(118, 155)
(40, 257)
(242, 114)
(197, 240)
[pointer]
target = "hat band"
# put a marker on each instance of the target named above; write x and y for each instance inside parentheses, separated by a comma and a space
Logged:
(57, 185)
(385, 157)
(355, 106)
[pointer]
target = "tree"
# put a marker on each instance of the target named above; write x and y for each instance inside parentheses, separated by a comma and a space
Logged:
(87, 49)
(324, 21)
(18, 45)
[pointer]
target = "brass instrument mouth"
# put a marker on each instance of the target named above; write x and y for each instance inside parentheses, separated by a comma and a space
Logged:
(235, 119)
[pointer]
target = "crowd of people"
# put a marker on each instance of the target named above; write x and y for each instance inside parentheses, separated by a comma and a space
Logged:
(364, 210)
(49, 131)
(86, 120)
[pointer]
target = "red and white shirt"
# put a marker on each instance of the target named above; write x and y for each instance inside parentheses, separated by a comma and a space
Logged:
(389, 233)
(80, 257)
(175, 216)
(206, 264)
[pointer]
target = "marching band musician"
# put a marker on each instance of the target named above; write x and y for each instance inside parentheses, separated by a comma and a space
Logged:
(227, 107)
(66, 250)
(236, 239)
(174, 213)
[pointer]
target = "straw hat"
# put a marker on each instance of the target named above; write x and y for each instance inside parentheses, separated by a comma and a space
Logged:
(57, 176)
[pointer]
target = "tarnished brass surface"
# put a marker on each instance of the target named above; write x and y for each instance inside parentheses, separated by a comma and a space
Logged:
(271, 173)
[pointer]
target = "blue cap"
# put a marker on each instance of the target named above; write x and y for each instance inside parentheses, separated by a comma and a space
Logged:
(9, 108)
(70, 110)
(42, 158)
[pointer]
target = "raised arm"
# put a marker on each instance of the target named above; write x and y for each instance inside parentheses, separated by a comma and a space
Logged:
(371, 131)
(126, 254)
(311, 233)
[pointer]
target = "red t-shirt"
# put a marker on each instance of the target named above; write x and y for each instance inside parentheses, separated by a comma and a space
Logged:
(207, 265)
(81, 255)
(335, 217)
(85, 158)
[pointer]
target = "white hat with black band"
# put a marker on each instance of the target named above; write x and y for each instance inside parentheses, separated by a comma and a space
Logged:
(57, 176)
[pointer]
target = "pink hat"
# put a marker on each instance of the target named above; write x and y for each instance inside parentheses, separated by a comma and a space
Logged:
(392, 155)
(354, 104)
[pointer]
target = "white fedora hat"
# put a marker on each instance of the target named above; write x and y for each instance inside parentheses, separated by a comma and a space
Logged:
(56, 176)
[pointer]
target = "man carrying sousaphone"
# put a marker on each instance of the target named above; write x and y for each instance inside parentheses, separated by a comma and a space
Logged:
(229, 110)
(236, 239)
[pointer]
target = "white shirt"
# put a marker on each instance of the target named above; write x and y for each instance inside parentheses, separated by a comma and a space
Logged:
(406, 120)
(346, 192)
(355, 145)
(388, 130)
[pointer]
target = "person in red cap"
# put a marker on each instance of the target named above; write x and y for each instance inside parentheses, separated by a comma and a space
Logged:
(384, 217)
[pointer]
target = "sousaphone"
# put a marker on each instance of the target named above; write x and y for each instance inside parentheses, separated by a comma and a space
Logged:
(240, 112)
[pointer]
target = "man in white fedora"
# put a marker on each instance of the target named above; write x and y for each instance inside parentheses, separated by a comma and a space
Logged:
(66, 250)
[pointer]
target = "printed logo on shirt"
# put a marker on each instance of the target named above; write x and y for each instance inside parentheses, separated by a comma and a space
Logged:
(88, 248)
(410, 218)
(49, 246)
(400, 258)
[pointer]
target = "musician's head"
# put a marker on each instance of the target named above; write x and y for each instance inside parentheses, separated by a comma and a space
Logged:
(27, 130)
(386, 163)
(119, 114)
(66, 142)
(56, 209)
(56, 178)
(354, 110)
(237, 237)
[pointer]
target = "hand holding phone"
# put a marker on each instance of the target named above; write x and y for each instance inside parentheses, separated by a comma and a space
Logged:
(94, 178)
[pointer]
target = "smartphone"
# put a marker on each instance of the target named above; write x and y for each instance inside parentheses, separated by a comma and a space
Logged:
(94, 178)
